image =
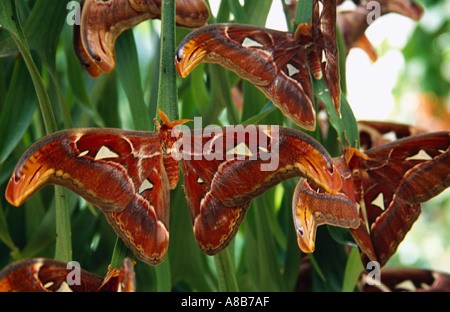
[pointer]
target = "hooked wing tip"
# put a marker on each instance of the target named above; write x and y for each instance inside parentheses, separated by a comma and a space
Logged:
(187, 57)
(26, 182)
(305, 245)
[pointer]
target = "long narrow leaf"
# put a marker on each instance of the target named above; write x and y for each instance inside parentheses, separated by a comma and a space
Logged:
(225, 271)
(5, 236)
(353, 270)
(18, 108)
(128, 71)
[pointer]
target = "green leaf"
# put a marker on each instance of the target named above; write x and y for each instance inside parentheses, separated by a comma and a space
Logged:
(18, 108)
(75, 77)
(353, 270)
(196, 271)
(44, 235)
(238, 11)
(253, 100)
(127, 66)
(5, 236)
(197, 89)
(265, 111)
(331, 258)
(163, 276)
(10, 21)
(120, 252)
(225, 272)
(257, 11)
(63, 248)
(345, 125)
(303, 13)
(221, 94)
(269, 267)
(104, 96)
(43, 28)
(293, 253)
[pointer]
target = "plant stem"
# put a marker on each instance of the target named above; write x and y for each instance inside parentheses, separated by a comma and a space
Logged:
(120, 252)
(225, 272)
(304, 12)
(167, 92)
(167, 101)
(63, 248)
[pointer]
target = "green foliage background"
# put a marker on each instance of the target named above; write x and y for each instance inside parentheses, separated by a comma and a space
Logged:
(46, 77)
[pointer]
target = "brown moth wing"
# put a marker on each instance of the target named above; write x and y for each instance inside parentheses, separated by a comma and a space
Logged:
(144, 224)
(126, 278)
(225, 168)
(324, 38)
(311, 209)
(392, 180)
(274, 61)
(240, 163)
(406, 280)
(44, 275)
(406, 8)
(375, 133)
(120, 280)
(47, 275)
(122, 172)
(353, 25)
(85, 60)
(188, 13)
(214, 224)
(103, 21)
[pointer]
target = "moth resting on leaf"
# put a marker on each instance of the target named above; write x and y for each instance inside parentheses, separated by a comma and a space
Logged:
(386, 184)
(279, 63)
(128, 174)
